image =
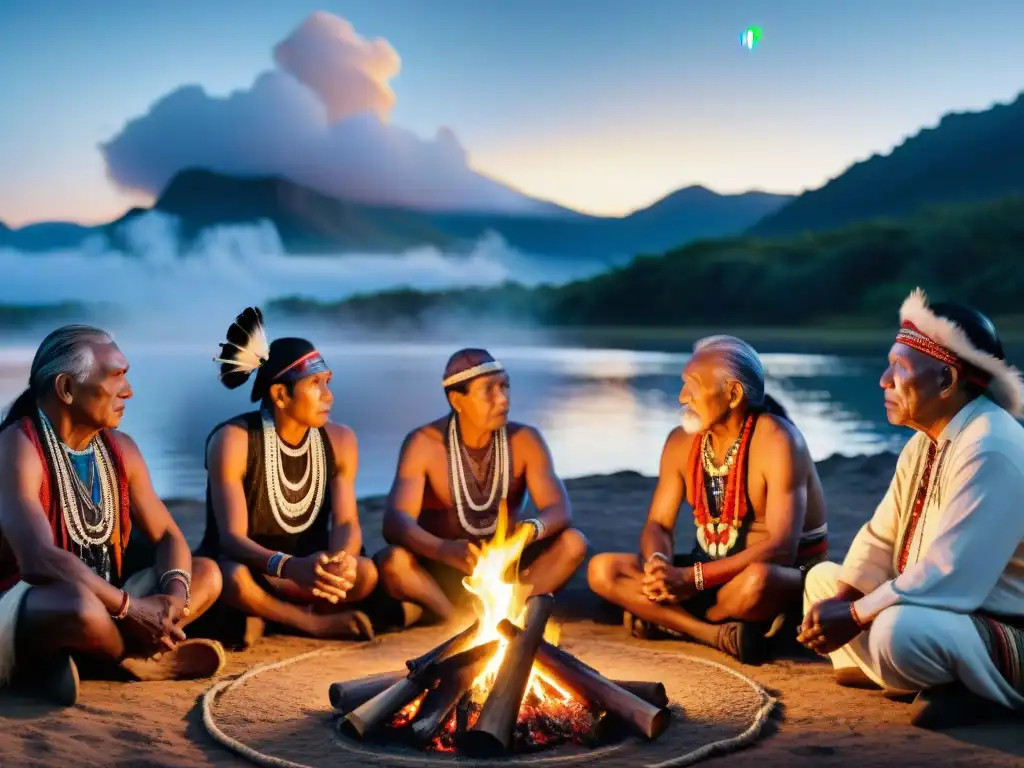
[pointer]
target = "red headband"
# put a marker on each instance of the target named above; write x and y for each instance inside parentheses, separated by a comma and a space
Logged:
(910, 336)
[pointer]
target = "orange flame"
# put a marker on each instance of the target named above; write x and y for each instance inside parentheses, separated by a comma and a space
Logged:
(499, 599)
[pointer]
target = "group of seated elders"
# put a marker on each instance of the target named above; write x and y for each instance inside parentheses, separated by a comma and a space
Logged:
(928, 601)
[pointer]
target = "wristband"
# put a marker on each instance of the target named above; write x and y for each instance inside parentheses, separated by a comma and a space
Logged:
(856, 619)
(177, 574)
(123, 610)
(538, 527)
(660, 556)
(275, 564)
(698, 576)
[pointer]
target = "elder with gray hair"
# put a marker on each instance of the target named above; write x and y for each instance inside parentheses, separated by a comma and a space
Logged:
(758, 509)
(929, 601)
(72, 489)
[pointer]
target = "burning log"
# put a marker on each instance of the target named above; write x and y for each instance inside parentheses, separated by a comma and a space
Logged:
(346, 696)
(646, 718)
(448, 648)
(652, 693)
(455, 677)
(350, 694)
(375, 711)
(493, 731)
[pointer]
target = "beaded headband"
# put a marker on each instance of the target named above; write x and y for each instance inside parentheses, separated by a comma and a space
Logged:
(492, 366)
(307, 365)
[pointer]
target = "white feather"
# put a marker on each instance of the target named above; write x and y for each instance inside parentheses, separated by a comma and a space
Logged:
(1006, 387)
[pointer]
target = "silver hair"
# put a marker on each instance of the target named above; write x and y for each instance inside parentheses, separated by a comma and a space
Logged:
(741, 363)
(69, 349)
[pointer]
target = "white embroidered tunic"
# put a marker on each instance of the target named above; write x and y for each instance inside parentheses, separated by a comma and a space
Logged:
(966, 550)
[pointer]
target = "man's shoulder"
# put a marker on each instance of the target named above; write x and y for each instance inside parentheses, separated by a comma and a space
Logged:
(340, 434)
(993, 430)
(777, 436)
(425, 436)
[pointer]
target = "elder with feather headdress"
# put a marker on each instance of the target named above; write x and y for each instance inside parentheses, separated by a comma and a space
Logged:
(930, 597)
(281, 515)
(74, 490)
(453, 476)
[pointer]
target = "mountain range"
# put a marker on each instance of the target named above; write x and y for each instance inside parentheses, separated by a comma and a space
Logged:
(311, 222)
(966, 158)
(969, 157)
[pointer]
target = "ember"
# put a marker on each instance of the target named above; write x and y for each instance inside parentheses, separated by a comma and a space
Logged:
(502, 685)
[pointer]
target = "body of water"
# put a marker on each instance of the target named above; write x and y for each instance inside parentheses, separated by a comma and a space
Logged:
(600, 410)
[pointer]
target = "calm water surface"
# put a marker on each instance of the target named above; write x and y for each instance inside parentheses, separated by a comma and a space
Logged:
(601, 410)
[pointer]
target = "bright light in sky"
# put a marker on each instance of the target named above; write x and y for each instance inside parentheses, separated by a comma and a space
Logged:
(750, 38)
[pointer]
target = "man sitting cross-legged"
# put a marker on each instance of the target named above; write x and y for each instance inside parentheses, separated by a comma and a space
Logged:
(929, 601)
(71, 490)
(452, 475)
(758, 508)
(281, 516)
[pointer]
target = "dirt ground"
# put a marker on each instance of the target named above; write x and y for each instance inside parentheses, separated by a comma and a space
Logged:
(816, 722)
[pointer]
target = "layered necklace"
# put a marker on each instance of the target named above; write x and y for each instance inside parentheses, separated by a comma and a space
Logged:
(89, 525)
(719, 518)
(499, 471)
(717, 473)
(314, 478)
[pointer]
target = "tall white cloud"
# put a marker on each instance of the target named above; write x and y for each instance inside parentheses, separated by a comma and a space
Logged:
(320, 119)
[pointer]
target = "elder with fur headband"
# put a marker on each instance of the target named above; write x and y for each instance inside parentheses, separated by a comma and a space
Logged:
(281, 515)
(929, 601)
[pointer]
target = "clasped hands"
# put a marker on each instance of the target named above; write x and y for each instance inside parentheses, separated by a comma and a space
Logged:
(828, 626)
(327, 575)
(665, 583)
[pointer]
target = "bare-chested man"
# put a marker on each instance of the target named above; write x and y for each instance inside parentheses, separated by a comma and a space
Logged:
(452, 475)
(71, 490)
(758, 508)
(281, 515)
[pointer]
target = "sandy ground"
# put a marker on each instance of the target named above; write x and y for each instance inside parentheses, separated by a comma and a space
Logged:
(817, 723)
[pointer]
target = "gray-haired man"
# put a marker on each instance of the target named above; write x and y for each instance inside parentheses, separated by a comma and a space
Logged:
(758, 509)
(71, 490)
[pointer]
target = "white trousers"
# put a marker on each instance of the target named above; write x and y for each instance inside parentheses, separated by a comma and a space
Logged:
(908, 648)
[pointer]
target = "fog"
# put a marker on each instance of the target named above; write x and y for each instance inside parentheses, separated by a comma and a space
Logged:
(156, 279)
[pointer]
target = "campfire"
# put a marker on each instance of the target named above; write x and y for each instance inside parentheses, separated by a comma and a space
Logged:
(502, 685)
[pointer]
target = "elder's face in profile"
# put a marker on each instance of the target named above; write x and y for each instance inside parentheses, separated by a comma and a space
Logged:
(912, 382)
(704, 397)
(100, 400)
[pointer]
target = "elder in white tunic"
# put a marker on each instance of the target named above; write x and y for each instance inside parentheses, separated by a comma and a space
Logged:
(932, 589)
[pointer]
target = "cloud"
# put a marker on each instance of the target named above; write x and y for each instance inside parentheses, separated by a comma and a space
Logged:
(318, 118)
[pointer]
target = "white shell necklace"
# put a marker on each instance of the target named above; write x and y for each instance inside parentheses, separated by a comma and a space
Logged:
(460, 490)
(72, 494)
(286, 512)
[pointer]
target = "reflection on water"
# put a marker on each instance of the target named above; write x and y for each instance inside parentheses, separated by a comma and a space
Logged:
(601, 410)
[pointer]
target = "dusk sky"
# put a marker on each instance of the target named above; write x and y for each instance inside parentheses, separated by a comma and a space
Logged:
(601, 106)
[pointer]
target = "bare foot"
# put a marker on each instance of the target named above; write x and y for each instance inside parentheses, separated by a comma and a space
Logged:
(343, 625)
(742, 641)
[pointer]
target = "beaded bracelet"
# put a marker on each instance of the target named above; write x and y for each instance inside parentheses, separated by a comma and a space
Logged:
(177, 574)
(123, 610)
(275, 564)
(698, 576)
(855, 617)
(538, 527)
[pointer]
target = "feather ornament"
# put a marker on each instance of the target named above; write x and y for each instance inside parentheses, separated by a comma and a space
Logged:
(245, 350)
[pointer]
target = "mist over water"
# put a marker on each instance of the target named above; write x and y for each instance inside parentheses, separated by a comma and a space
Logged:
(157, 279)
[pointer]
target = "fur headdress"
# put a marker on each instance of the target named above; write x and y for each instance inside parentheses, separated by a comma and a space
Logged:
(940, 337)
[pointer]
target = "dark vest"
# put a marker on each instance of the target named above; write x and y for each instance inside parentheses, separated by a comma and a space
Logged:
(263, 527)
